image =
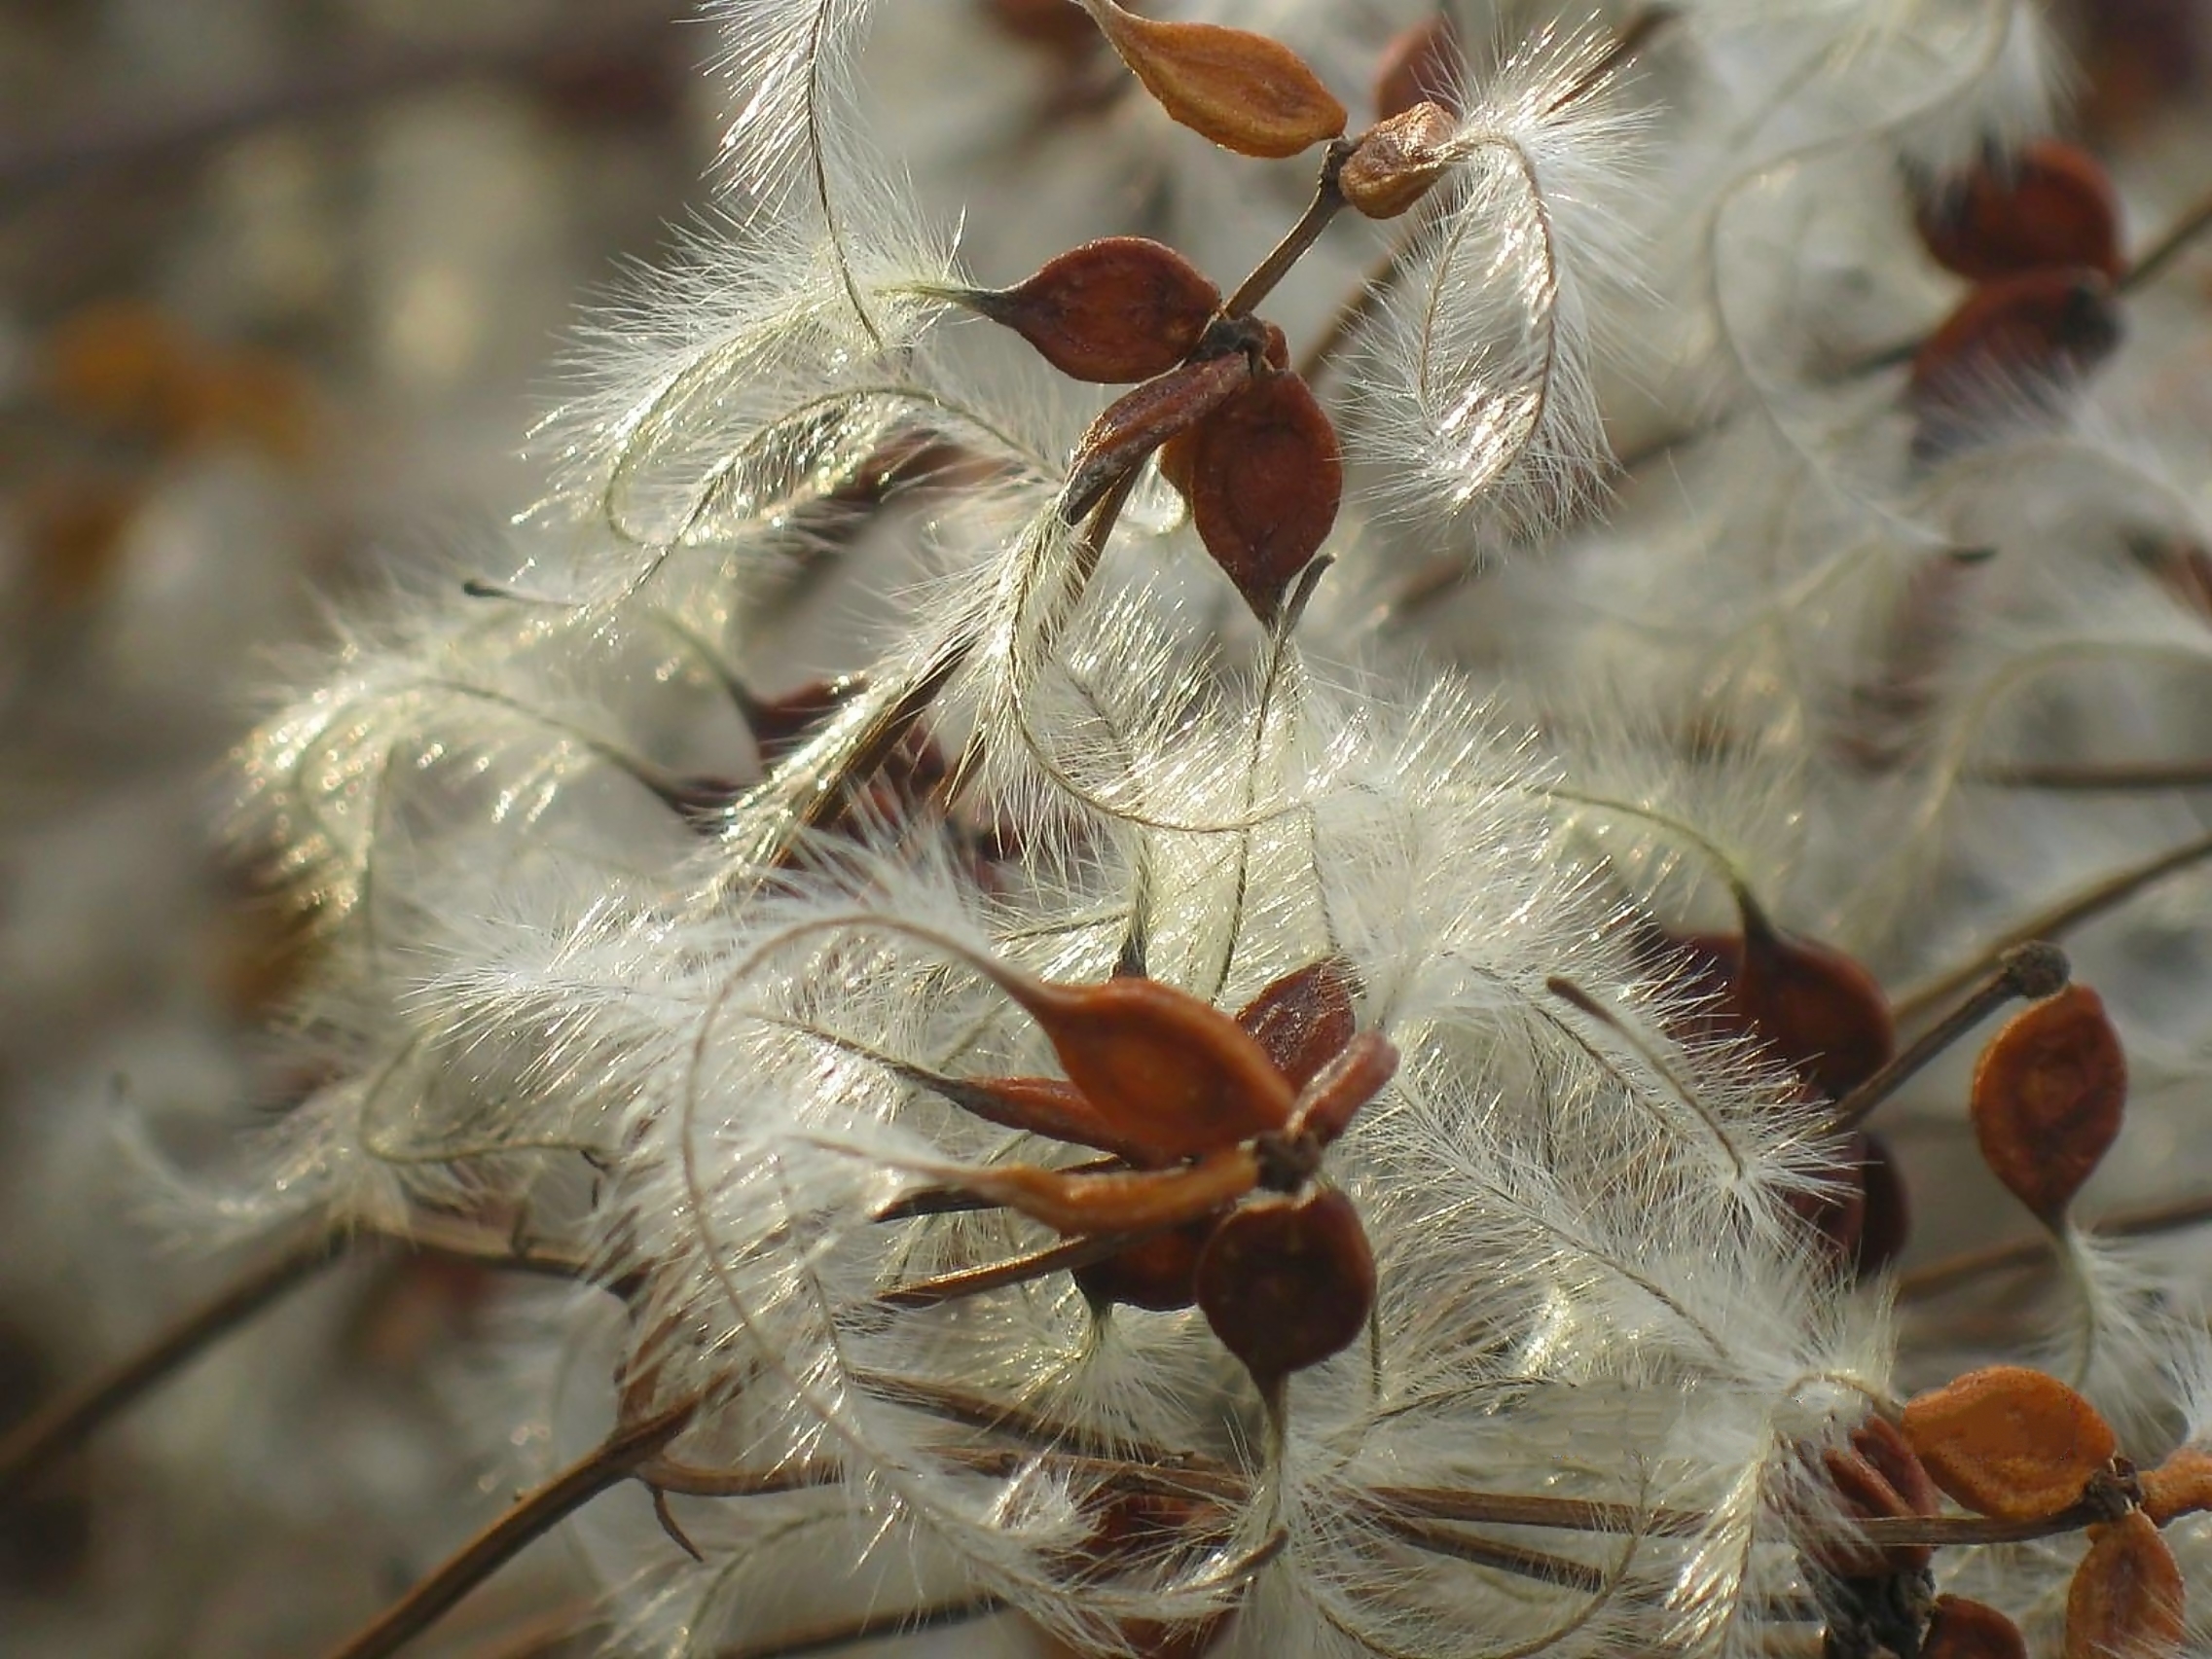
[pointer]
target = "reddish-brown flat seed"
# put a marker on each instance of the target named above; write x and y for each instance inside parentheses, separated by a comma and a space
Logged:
(2125, 1601)
(1085, 1203)
(1288, 1282)
(1266, 477)
(1137, 422)
(1243, 90)
(1303, 1019)
(1961, 1629)
(1816, 1007)
(2012, 349)
(2009, 1442)
(1174, 1072)
(1053, 1108)
(1117, 309)
(2050, 205)
(2048, 1096)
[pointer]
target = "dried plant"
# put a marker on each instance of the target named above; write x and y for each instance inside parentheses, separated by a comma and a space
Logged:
(1286, 1010)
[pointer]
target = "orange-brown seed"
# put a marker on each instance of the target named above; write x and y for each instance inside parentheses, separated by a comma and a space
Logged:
(1243, 90)
(2048, 1096)
(2125, 1599)
(2009, 1442)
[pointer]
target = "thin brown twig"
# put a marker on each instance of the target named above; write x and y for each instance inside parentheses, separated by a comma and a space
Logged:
(2062, 918)
(1937, 1277)
(944, 1287)
(1328, 202)
(614, 1460)
(2036, 969)
(68, 1421)
(1437, 1538)
(2169, 245)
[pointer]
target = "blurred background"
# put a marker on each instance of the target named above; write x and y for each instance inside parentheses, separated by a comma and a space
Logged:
(282, 284)
(282, 287)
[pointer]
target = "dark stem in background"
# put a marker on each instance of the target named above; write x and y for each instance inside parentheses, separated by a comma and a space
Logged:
(537, 1513)
(67, 1421)
(2061, 917)
(2033, 972)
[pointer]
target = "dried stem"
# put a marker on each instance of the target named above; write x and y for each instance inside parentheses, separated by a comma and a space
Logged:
(2175, 240)
(2061, 917)
(65, 1423)
(613, 1462)
(1327, 201)
(2032, 970)
(1937, 1277)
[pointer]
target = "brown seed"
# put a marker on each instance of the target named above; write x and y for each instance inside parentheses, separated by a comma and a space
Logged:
(2125, 1599)
(1883, 1445)
(1158, 1273)
(1961, 1629)
(1243, 90)
(1167, 1070)
(2053, 205)
(2048, 1097)
(2182, 1484)
(1055, 1109)
(1266, 477)
(1137, 422)
(1878, 1478)
(2009, 1442)
(1816, 1008)
(1397, 160)
(1421, 64)
(1084, 1203)
(1288, 1282)
(2011, 349)
(1867, 1496)
(1303, 1019)
(1117, 309)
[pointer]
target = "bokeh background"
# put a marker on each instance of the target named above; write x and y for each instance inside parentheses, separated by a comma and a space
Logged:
(282, 283)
